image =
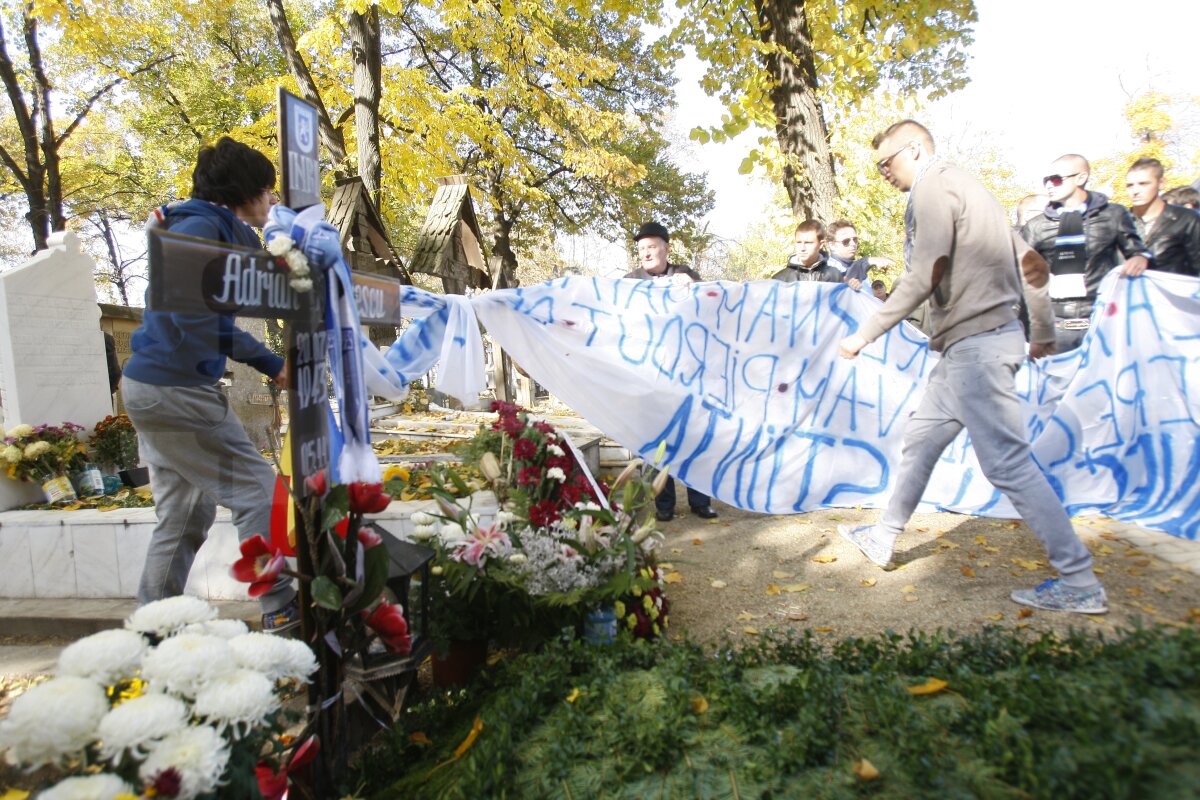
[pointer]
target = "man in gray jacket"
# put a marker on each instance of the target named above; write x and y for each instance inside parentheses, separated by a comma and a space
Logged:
(962, 254)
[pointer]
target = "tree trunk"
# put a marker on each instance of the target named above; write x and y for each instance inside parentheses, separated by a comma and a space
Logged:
(364, 41)
(33, 176)
(502, 226)
(799, 124)
(119, 279)
(331, 137)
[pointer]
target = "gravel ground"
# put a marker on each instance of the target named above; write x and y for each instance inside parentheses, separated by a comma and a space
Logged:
(743, 573)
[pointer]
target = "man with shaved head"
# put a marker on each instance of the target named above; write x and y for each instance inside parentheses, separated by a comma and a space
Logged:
(1082, 236)
(961, 254)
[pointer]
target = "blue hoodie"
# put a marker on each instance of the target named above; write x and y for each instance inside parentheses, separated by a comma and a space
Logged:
(190, 349)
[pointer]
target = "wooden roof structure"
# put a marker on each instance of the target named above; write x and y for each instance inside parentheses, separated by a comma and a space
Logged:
(450, 243)
(365, 242)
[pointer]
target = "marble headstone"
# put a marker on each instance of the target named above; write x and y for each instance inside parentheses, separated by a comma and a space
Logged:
(52, 363)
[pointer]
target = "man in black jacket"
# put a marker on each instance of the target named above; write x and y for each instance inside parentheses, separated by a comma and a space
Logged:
(808, 263)
(1171, 232)
(653, 242)
(1082, 236)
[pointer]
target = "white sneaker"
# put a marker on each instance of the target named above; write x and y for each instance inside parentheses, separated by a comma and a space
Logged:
(860, 537)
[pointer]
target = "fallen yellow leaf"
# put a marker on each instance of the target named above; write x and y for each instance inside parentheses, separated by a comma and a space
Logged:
(420, 738)
(697, 541)
(996, 617)
(909, 598)
(1025, 563)
(823, 630)
(1024, 612)
(772, 589)
(908, 588)
(791, 588)
(699, 705)
(970, 573)
(931, 686)
(746, 616)
(1133, 590)
(573, 696)
(718, 584)
(476, 729)
(865, 770)
(1096, 619)
(1014, 524)
(825, 559)
(676, 550)
(750, 630)
(992, 549)
(1133, 552)
(1098, 570)
(796, 617)
(981, 539)
(781, 575)
(673, 577)
(1104, 550)
(948, 545)
(869, 582)
(99, 508)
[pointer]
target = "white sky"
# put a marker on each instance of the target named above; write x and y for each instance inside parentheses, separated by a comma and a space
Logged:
(1047, 77)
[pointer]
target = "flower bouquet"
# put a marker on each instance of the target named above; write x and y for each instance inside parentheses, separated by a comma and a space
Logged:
(559, 546)
(45, 454)
(177, 704)
(114, 443)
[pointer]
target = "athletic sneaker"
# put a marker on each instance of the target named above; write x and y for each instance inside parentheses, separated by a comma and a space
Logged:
(860, 537)
(1054, 595)
(282, 620)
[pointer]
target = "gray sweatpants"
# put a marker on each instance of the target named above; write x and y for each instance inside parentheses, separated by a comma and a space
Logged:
(199, 456)
(972, 386)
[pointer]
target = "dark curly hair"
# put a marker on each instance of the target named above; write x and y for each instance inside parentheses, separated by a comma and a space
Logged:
(231, 173)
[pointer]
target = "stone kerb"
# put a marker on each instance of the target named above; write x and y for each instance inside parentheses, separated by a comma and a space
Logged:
(52, 363)
(94, 554)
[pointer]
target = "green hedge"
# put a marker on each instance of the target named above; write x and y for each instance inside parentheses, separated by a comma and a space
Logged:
(1022, 717)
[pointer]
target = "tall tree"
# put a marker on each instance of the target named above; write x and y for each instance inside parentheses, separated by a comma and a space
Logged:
(1160, 126)
(785, 66)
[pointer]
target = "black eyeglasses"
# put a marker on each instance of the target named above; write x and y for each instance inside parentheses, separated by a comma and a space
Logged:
(847, 241)
(887, 162)
(1057, 180)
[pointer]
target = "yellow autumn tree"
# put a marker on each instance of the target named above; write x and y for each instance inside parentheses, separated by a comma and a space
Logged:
(1156, 131)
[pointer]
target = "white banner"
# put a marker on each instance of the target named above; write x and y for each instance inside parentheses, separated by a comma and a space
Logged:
(743, 383)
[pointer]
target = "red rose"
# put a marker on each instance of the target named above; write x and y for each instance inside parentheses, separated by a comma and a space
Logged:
(543, 514)
(524, 449)
(388, 621)
(368, 498)
(259, 565)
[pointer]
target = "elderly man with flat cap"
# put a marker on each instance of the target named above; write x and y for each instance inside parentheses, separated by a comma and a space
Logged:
(653, 242)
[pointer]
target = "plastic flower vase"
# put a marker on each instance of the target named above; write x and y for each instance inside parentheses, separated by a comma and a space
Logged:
(58, 489)
(600, 626)
(88, 481)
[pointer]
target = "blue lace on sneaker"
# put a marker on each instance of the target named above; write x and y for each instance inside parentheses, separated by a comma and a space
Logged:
(1054, 595)
(860, 537)
(283, 619)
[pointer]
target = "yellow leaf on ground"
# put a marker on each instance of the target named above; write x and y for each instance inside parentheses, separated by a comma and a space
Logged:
(1133, 553)
(948, 545)
(970, 573)
(718, 584)
(749, 630)
(796, 617)
(673, 577)
(420, 738)
(746, 616)
(865, 770)
(909, 598)
(825, 559)
(869, 582)
(1025, 563)
(981, 539)
(1104, 550)
(795, 587)
(14, 794)
(823, 630)
(573, 696)
(1096, 619)
(1098, 570)
(931, 686)
(476, 729)
(1133, 590)
(99, 508)
(1194, 614)
(676, 550)
(1024, 612)
(699, 705)
(1014, 524)
(783, 576)
(697, 541)
(992, 549)
(666, 566)
(772, 589)
(908, 588)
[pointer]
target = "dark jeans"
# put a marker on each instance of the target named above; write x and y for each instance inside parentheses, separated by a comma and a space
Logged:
(1071, 321)
(665, 502)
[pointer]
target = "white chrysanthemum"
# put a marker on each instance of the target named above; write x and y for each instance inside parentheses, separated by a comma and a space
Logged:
(12, 454)
(451, 534)
(280, 244)
(588, 506)
(239, 701)
(554, 449)
(422, 533)
(297, 262)
(556, 474)
(422, 518)
(53, 719)
(105, 657)
(20, 430)
(187, 663)
(36, 449)
(276, 657)
(221, 628)
(518, 558)
(301, 285)
(136, 724)
(168, 616)
(102, 786)
(198, 754)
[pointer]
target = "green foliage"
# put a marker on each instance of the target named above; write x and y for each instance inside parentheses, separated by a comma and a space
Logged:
(1073, 717)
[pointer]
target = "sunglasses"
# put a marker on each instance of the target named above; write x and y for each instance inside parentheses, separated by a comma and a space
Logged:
(883, 165)
(847, 241)
(1057, 180)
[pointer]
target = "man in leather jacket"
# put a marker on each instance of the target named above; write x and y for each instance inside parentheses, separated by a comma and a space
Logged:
(1171, 232)
(1082, 236)
(808, 264)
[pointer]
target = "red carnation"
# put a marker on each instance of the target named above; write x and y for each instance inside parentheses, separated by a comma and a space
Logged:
(529, 476)
(570, 495)
(513, 426)
(544, 427)
(259, 565)
(543, 514)
(524, 449)
(562, 462)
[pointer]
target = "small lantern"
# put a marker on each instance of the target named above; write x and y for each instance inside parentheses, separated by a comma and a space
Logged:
(408, 581)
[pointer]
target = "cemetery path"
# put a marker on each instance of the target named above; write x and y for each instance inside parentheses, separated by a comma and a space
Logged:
(741, 574)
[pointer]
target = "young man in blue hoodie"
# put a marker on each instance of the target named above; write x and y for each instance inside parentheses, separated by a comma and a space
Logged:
(196, 448)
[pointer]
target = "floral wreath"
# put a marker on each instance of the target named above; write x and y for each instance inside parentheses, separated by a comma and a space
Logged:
(288, 255)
